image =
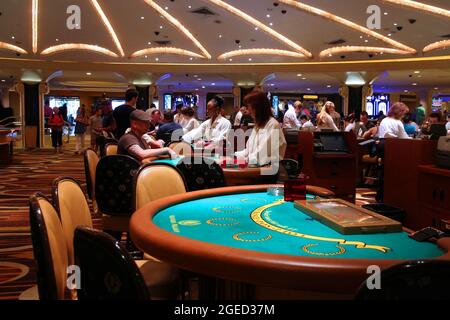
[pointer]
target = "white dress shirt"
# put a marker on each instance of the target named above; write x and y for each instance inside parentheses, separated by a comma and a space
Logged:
(215, 132)
(190, 125)
(237, 119)
(392, 128)
(264, 146)
(290, 120)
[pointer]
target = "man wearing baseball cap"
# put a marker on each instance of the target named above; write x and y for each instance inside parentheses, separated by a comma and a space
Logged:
(134, 145)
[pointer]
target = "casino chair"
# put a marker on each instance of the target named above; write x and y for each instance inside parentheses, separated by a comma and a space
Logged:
(201, 174)
(111, 148)
(91, 160)
(288, 170)
(415, 280)
(108, 272)
(50, 251)
(148, 186)
(102, 142)
(72, 207)
(181, 148)
(114, 191)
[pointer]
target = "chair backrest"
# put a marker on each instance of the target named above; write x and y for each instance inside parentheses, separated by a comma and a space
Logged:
(72, 206)
(182, 148)
(288, 170)
(416, 280)
(108, 272)
(202, 174)
(155, 181)
(102, 142)
(90, 164)
(111, 149)
(114, 184)
(49, 247)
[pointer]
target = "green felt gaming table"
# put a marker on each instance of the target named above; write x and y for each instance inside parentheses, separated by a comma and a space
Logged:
(244, 234)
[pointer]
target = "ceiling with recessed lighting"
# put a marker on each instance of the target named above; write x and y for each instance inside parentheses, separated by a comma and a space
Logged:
(152, 34)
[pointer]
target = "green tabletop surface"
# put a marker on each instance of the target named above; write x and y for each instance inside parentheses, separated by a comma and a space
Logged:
(265, 223)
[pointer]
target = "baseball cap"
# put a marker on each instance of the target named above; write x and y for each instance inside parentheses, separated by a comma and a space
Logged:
(139, 115)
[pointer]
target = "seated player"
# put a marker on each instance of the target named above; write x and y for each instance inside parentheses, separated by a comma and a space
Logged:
(306, 123)
(392, 125)
(134, 145)
(213, 131)
(266, 144)
(169, 129)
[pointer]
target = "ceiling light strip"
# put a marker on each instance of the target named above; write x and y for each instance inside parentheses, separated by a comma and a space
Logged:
(78, 46)
(264, 51)
(35, 17)
(179, 26)
(166, 50)
(345, 22)
(262, 26)
(108, 26)
(421, 6)
(349, 49)
(7, 46)
(437, 45)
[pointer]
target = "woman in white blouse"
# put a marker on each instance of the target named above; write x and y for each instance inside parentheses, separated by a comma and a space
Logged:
(214, 131)
(324, 119)
(190, 123)
(266, 144)
(392, 126)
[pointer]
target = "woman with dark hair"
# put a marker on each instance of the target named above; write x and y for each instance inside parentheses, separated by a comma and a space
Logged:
(214, 130)
(266, 144)
(190, 122)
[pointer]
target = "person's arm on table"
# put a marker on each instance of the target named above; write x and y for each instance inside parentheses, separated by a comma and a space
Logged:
(142, 154)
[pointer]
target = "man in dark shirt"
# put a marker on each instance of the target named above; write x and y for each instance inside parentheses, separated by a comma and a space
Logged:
(134, 145)
(166, 130)
(122, 113)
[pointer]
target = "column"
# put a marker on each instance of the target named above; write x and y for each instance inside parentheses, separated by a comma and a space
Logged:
(153, 93)
(367, 91)
(44, 89)
(237, 95)
(19, 88)
(343, 92)
(143, 99)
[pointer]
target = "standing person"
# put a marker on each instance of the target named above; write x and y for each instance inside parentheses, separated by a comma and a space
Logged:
(290, 120)
(95, 125)
(56, 123)
(214, 130)
(266, 144)
(122, 113)
(81, 123)
(238, 117)
(392, 125)
(324, 119)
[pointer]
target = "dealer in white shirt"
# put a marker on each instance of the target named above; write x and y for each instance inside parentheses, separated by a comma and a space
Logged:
(266, 144)
(214, 130)
(290, 120)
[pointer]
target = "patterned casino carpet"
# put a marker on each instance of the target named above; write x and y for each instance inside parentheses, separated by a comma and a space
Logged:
(31, 172)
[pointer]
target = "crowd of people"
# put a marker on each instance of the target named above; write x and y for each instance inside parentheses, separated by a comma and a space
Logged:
(145, 134)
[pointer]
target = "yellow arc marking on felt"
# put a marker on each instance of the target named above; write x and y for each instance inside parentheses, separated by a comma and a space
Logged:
(256, 216)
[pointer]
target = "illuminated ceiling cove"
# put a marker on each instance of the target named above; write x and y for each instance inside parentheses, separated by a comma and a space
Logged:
(223, 31)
